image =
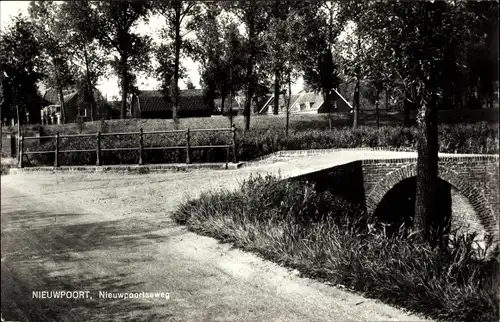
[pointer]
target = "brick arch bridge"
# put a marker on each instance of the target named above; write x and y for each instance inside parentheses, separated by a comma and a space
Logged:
(368, 180)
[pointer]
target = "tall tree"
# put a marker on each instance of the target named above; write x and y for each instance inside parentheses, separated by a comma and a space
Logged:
(51, 33)
(176, 12)
(77, 16)
(233, 62)
(357, 73)
(276, 39)
(416, 39)
(318, 62)
(254, 16)
(208, 49)
(219, 49)
(114, 22)
(285, 27)
(20, 70)
(380, 77)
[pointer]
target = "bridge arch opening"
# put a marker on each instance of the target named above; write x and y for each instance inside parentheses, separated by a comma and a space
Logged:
(396, 210)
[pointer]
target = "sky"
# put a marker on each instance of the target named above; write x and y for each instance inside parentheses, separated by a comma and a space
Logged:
(109, 87)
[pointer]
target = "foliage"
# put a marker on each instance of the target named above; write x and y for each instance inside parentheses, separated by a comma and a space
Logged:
(113, 21)
(174, 12)
(165, 69)
(77, 16)
(254, 16)
(324, 237)
(316, 56)
(219, 49)
(21, 68)
(396, 34)
(420, 41)
(281, 63)
(50, 31)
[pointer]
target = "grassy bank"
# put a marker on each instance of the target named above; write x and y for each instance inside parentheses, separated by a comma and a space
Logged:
(326, 237)
(298, 122)
(458, 138)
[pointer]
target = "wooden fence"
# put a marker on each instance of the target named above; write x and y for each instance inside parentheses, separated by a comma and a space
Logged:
(140, 149)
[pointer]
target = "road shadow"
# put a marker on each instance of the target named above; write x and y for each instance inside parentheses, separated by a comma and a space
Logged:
(43, 259)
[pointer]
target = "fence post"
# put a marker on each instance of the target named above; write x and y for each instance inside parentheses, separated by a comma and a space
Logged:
(234, 143)
(98, 161)
(227, 156)
(21, 148)
(56, 160)
(140, 146)
(188, 147)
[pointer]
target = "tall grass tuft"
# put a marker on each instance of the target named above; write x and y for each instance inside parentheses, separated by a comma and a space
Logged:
(324, 236)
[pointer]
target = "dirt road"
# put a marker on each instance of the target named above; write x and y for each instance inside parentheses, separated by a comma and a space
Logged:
(112, 233)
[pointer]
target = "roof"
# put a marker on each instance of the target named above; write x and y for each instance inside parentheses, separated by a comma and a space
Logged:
(52, 96)
(283, 101)
(154, 101)
(307, 98)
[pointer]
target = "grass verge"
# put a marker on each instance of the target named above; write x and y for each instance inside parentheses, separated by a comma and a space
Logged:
(326, 237)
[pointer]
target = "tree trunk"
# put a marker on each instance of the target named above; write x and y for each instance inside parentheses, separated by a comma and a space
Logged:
(377, 112)
(124, 86)
(123, 106)
(426, 199)
(223, 100)
(175, 106)
(328, 108)
(89, 86)
(288, 104)
(386, 99)
(276, 91)
(355, 122)
(408, 105)
(248, 101)
(61, 102)
(250, 76)
(406, 113)
(231, 109)
(18, 134)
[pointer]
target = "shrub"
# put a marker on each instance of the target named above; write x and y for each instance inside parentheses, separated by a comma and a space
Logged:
(324, 236)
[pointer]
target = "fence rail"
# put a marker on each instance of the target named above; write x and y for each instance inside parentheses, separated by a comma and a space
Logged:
(140, 149)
